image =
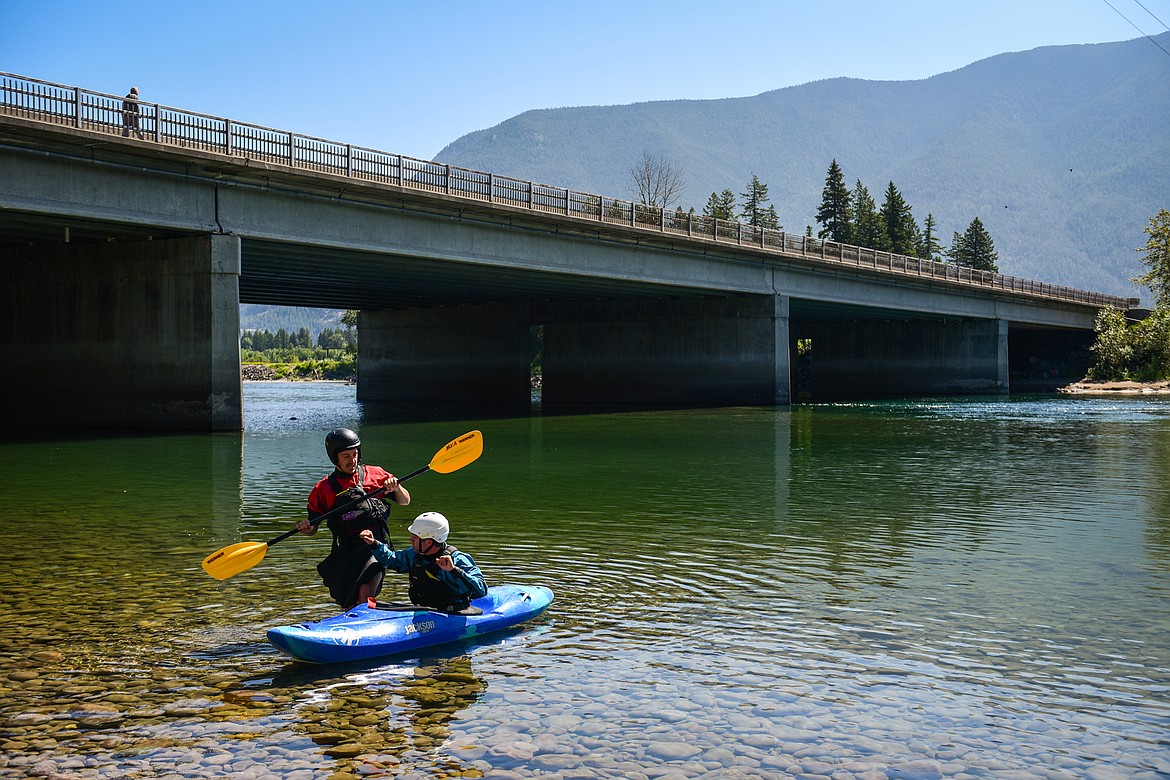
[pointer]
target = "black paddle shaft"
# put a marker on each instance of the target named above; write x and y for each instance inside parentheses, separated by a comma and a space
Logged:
(347, 505)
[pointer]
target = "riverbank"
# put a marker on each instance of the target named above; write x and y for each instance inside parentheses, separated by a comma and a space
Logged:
(1103, 387)
(262, 372)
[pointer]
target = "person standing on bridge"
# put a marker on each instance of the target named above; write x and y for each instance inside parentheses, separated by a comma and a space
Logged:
(130, 113)
(350, 571)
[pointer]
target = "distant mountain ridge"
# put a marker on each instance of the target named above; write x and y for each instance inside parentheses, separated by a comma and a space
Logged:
(292, 318)
(1063, 152)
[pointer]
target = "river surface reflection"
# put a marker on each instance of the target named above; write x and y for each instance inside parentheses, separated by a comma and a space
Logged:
(943, 588)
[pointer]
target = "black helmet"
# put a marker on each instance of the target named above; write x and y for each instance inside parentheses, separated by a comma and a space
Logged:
(341, 439)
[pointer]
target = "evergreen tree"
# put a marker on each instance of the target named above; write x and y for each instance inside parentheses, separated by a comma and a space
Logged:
(835, 214)
(304, 338)
(957, 250)
(721, 206)
(349, 318)
(868, 230)
(902, 234)
(262, 340)
(755, 208)
(975, 249)
(769, 220)
(930, 249)
(331, 339)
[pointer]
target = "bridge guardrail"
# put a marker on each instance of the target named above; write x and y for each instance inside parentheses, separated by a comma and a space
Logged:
(58, 104)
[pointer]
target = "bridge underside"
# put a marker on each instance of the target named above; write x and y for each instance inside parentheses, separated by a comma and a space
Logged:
(123, 264)
(145, 335)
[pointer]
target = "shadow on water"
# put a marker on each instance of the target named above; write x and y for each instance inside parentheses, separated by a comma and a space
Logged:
(386, 412)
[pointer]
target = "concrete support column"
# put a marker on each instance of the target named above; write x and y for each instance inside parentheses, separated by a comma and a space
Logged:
(884, 358)
(785, 349)
(125, 335)
(1003, 377)
(452, 353)
(689, 351)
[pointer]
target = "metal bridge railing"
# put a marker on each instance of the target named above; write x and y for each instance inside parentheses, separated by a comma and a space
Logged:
(61, 105)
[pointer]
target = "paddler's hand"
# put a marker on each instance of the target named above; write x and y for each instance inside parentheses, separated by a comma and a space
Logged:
(395, 491)
(366, 536)
(445, 562)
(307, 528)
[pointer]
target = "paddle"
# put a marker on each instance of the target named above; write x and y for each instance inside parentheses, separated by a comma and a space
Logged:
(239, 557)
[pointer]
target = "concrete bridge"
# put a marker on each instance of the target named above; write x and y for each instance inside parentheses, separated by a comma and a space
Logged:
(123, 262)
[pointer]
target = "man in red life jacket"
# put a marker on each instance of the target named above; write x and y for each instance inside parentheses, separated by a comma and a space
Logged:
(350, 571)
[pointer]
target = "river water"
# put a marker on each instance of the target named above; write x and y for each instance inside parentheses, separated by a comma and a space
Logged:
(923, 589)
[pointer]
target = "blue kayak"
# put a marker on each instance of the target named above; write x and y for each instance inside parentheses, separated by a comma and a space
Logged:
(370, 631)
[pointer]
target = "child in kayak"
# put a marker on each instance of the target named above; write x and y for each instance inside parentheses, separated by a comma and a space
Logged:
(441, 576)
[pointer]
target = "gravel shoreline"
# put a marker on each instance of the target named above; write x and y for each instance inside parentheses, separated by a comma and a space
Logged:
(1103, 387)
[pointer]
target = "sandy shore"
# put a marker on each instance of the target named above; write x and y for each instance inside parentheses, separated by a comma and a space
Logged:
(1098, 387)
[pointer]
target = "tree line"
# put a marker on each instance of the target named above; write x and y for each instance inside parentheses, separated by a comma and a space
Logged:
(327, 339)
(1124, 349)
(297, 355)
(845, 216)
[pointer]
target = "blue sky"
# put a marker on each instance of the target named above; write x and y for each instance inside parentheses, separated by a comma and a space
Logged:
(409, 78)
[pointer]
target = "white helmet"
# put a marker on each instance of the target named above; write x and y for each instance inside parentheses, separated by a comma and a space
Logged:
(430, 525)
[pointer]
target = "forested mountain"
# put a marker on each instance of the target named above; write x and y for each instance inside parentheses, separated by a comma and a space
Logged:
(1062, 152)
(292, 319)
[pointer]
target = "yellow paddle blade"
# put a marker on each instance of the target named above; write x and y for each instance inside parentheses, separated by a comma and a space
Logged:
(234, 559)
(458, 453)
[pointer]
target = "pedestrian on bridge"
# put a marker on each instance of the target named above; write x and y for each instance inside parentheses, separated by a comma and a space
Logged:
(130, 113)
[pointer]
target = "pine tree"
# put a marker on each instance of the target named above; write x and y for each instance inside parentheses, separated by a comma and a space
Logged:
(721, 206)
(899, 224)
(930, 249)
(868, 230)
(957, 251)
(769, 220)
(835, 213)
(755, 208)
(981, 254)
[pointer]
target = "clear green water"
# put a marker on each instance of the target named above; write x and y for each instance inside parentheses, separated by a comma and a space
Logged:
(958, 588)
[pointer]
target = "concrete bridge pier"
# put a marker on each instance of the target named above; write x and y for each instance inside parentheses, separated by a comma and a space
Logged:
(125, 335)
(467, 354)
(715, 351)
(883, 358)
(723, 351)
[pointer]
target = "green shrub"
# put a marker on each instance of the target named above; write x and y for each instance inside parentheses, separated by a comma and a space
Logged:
(1138, 352)
(316, 365)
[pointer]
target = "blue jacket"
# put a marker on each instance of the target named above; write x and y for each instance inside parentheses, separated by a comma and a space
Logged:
(465, 581)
